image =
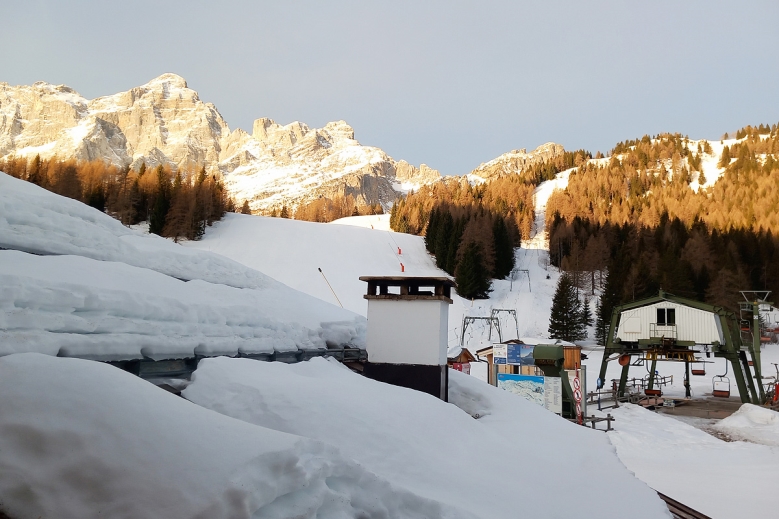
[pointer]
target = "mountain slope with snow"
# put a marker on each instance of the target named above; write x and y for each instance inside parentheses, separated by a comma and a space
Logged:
(515, 161)
(165, 122)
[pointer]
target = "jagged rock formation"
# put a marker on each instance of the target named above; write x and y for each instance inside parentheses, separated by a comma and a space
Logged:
(515, 161)
(165, 122)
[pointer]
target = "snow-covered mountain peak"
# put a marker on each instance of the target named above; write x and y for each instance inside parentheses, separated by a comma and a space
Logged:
(515, 161)
(165, 122)
(167, 80)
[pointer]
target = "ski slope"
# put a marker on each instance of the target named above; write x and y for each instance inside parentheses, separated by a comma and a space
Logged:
(292, 252)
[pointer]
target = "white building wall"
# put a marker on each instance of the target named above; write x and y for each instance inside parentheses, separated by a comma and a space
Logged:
(692, 324)
(407, 332)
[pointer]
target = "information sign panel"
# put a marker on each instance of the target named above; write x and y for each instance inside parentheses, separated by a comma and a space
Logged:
(499, 352)
(519, 354)
(530, 387)
(544, 391)
(553, 394)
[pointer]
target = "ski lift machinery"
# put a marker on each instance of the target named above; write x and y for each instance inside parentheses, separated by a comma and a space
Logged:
(740, 350)
(513, 313)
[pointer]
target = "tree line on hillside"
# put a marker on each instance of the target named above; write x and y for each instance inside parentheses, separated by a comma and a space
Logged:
(322, 209)
(176, 205)
(629, 262)
(471, 243)
(472, 229)
(647, 178)
(645, 221)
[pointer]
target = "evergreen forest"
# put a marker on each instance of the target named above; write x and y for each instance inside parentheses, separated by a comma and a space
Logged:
(472, 230)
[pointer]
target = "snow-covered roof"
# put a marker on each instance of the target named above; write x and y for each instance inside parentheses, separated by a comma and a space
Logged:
(78, 283)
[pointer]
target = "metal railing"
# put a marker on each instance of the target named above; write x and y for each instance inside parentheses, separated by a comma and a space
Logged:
(662, 330)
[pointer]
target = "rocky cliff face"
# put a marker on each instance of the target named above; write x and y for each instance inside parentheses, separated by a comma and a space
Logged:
(515, 161)
(165, 122)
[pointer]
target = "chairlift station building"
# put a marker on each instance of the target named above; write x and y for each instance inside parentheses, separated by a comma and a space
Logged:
(671, 328)
(670, 320)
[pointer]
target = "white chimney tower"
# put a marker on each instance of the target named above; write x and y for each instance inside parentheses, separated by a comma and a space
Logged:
(408, 329)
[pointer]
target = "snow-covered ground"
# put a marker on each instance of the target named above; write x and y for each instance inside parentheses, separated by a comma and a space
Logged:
(360, 447)
(379, 222)
(725, 480)
(81, 440)
(293, 251)
(687, 458)
(512, 460)
(105, 291)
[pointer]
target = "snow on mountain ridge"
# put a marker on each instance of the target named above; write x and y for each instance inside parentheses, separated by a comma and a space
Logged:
(515, 161)
(166, 122)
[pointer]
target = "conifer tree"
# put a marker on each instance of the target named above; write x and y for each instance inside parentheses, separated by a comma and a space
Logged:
(724, 160)
(454, 246)
(245, 209)
(284, 212)
(608, 300)
(432, 229)
(504, 252)
(473, 281)
(161, 203)
(586, 317)
(566, 320)
(443, 236)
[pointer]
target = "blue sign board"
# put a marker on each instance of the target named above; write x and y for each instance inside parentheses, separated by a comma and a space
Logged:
(519, 354)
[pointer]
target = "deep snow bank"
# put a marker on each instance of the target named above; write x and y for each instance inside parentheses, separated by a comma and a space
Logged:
(751, 423)
(74, 306)
(112, 293)
(79, 439)
(516, 456)
(38, 221)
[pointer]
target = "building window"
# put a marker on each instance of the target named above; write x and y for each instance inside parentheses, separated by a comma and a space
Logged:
(666, 316)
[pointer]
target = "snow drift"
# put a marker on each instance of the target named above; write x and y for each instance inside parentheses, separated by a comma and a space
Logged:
(40, 222)
(751, 423)
(80, 439)
(685, 463)
(508, 460)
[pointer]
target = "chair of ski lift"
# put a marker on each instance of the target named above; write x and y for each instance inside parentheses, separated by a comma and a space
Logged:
(720, 384)
(699, 372)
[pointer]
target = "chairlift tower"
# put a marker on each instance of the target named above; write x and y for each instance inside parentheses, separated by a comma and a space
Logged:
(515, 275)
(469, 319)
(497, 311)
(751, 333)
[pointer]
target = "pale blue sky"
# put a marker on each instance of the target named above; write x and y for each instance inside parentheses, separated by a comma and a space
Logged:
(448, 83)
